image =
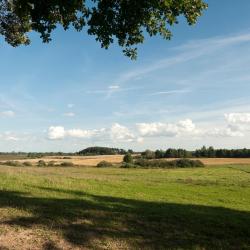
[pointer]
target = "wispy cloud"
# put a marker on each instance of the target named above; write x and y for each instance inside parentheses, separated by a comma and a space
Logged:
(69, 114)
(110, 90)
(187, 52)
(7, 113)
(169, 92)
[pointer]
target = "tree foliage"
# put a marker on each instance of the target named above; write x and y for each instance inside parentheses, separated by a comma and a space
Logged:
(128, 158)
(123, 21)
(180, 163)
(209, 152)
(101, 151)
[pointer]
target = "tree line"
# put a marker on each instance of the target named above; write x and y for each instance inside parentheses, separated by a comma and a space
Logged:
(207, 152)
(103, 151)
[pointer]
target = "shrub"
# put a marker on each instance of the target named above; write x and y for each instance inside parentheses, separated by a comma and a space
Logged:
(27, 164)
(51, 163)
(128, 158)
(104, 164)
(185, 163)
(67, 164)
(66, 157)
(13, 163)
(180, 163)
(41, 163)
(128, 165)
(148, 154)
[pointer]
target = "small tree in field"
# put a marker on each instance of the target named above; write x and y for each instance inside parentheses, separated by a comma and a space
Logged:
(128, 158)
(148, 154)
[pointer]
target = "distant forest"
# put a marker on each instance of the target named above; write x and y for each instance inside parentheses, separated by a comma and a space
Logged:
(206, 152)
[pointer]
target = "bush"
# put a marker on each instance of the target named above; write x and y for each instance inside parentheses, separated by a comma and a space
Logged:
(128, 158)
(13, 163)
(128, 165)
(27, 164)
(180, 163)
(67, 164)
(104, 164)
(41, 163)
(148, 154)
(185, 163)
(67, 158)
(51, 163)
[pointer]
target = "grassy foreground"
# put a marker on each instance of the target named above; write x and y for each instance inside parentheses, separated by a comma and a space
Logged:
(82, 208)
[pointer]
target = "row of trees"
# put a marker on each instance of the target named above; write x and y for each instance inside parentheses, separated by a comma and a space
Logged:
(209, 152)
(103, 151)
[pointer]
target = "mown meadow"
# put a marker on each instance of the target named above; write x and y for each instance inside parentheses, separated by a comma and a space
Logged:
(115, 208)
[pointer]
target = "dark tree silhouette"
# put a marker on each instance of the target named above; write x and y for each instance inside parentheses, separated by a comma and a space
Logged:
(123, 21)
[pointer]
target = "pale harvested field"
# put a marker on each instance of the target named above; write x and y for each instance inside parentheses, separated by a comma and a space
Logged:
(116, 159)
(221, 161)
(80, 160)
(224, 161)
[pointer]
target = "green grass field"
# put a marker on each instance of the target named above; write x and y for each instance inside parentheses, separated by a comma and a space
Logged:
(82, 208)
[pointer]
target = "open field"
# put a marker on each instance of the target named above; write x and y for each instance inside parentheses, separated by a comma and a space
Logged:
(91, 208)
(116, 159)
(78, 160)
(12, 157)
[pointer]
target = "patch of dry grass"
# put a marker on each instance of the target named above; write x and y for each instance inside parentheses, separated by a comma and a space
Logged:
(76, 160)
(218, 161)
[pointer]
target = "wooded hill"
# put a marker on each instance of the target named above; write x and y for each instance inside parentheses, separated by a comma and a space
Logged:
(101, 151)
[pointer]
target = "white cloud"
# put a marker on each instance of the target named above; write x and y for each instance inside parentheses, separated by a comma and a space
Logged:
(79, 133)
(183, 128)
(11, 138)
(7, 113)
(116, 133)
(121, 133)
(165, 129)
(238, 118)
(69, 114)
(186, 126)
(59, 132)
(56, 133)
(222, 132)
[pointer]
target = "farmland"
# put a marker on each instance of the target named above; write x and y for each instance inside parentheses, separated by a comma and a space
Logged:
(114, 208)
(115, 159)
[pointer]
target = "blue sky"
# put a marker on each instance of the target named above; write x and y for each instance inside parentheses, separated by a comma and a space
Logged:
(188, 92)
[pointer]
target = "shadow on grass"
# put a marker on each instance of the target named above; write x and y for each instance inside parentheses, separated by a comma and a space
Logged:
(86, 219)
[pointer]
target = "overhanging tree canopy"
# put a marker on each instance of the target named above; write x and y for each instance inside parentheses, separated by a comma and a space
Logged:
(123, 21)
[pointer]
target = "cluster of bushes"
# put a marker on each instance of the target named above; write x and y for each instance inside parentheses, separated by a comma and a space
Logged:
(17, 163)
(104, 164)
(12, 163)
(129, 162)
(180, 163)
(40, 163)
